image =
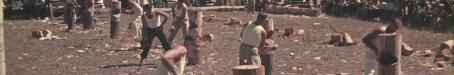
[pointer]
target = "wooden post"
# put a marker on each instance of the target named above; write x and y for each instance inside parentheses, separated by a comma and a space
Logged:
(389, 54)
(89, 12)
(51, 12)
(195, 30)
(248, 70)
(115, 18)
(2, 44)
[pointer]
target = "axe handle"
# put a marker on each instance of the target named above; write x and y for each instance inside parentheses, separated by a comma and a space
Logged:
(332, 28)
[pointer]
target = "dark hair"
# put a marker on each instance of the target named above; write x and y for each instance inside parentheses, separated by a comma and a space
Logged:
(262, 16)
(147, 6)
(188, 38)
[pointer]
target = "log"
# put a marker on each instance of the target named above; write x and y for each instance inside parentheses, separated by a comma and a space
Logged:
(195, 30)
(347, 39)
(390, 46)
(2, 42)
(88, 14)
(115, 18)
(42, 34)
(248, 70)
(406, 49)
(313, 12)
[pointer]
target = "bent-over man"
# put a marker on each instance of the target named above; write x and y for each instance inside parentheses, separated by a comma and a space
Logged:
(252, 40)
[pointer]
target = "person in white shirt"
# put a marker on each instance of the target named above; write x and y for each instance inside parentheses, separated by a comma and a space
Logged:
(253, 38)
(153, 27)
(180, 11)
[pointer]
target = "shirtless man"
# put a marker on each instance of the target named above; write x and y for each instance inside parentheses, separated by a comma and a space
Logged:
(370, 39)
(180, 13)
(253, 38)
(444, 54)
(173, 61)
(153, 27)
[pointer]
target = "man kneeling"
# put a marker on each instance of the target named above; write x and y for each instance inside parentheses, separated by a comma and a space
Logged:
(176, 56)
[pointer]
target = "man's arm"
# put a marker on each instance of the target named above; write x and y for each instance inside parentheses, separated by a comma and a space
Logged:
(368, 40)
(144, 20)
(262, 40)
(165, 15)
(169, 57)
(394, 26)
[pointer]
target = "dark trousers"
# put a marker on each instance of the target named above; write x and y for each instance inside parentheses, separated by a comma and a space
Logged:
(148, 35)
(70, 16)
(267, 63)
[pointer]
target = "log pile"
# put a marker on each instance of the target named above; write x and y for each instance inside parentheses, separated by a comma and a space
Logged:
(313, 12)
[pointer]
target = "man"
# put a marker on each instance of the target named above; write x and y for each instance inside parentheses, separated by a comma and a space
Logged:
(266, 54)
(370, 41)
(70, 14)
(168, 61)
(180, 13)
(153, 27)
(444, 54)
(138, 11)
(253, 38)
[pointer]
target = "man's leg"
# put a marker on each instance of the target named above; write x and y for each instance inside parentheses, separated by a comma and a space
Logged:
(267, 63)
(145, 43)
(164, 42)
(173, 34)
(69, 17)
(255, 57)
(246, 55)
(370, 63)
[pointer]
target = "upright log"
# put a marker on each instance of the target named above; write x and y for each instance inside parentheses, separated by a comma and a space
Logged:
(195, 31)
(88, 14)
(2, 44)
(389, 54)
(248, 70)
(115, 18)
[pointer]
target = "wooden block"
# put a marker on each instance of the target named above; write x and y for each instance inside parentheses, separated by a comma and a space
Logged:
(249, 70)
(42, 34)
(347, 38)
(406, 49)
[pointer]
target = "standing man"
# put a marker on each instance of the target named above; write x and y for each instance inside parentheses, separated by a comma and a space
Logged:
(153, 27)
(135, 23)
(70, 14)
(370, 40)
(174, 60)
(181, 20)
(253, 38)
